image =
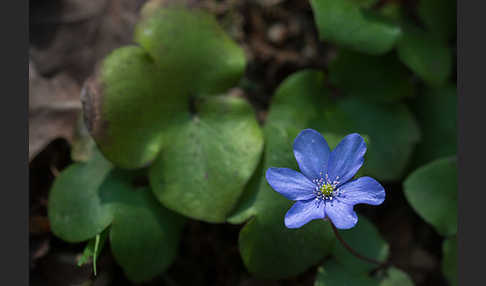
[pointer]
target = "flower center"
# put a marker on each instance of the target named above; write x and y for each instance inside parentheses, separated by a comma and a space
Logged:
(327, 190)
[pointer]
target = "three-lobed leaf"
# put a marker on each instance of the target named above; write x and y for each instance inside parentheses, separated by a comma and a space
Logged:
(161, 105)
(92, 198)
(208, 160)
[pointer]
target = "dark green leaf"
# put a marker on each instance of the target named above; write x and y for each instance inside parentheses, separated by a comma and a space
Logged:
(144, 236)
(436, 112)
(346, 23)
(76, 211)
(88, 197)
(427, 56)
(432, 192)
(302, 101)
(392, 129)
(264, 239)
(439, 17)
(335, 274)
(365, 239)
(381, 78)
(449, 260)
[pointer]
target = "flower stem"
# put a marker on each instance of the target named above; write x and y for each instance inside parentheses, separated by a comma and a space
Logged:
(354, 252)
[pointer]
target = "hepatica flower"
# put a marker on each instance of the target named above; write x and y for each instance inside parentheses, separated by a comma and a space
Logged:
(323, 189)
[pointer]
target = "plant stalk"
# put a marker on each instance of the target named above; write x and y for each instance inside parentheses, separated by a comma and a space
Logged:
(354, 252)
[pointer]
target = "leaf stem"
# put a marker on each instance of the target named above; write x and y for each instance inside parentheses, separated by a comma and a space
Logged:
(354, 252)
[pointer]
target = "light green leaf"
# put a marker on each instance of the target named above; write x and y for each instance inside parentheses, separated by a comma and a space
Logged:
(210, 157)
(449, 260)
(427, 56)
(365, 239)
(347, 24)
(245, 208)
(160, 105)
(190, 45)
(431, 190)
(141, 90)
(436, 112)
(380, 78)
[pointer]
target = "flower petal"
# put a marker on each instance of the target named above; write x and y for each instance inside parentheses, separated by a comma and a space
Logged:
(302, 212)
(312, 153)
(364, 190)
(341, 215)
(292, 184)
(346, 159)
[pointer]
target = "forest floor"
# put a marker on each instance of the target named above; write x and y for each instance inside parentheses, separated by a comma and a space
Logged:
(68, 38)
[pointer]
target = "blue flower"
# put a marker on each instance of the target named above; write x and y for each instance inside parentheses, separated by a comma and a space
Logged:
(323, 190)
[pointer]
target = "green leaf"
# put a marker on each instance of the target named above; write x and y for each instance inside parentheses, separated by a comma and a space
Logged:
(144, 236)
(264, 239)
(245, 208)
(439, 17)
(89, 197)
(209, 159)
(346, 23)
(436, 112)
(365, 239)
(427, 56)
(380, 78)
(160, 105)
(335, 274)
(365, 3)
(332, 273)
(431, 190)
(396, 277)
(302, 101)
(75, 210)
(392, 129)
(201, 54)
(449, 260)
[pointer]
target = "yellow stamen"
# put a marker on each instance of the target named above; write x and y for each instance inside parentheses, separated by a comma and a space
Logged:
(327, 190)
